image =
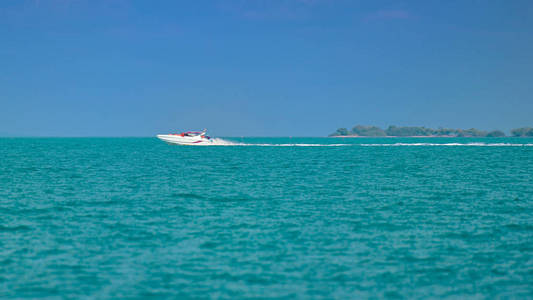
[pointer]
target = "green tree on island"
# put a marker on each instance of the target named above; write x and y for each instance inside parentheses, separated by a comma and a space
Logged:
(522, 132)
(409, 131)
(340, 132)
(361, 130)
(496, 133)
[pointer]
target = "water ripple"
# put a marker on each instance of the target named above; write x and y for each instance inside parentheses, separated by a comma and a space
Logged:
(291, 218)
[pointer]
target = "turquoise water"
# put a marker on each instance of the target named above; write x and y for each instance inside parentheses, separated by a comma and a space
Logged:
(136, 218)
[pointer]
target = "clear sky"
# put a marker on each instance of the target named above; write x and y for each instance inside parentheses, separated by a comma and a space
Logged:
(262, 67)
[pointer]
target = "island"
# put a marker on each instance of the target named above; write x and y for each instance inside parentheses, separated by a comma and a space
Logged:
(415, 131)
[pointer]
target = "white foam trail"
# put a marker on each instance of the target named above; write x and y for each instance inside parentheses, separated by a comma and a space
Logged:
(450, 144)
(298, 145)
(222, 142)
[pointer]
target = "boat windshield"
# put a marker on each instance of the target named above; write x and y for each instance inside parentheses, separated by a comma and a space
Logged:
(192, 133)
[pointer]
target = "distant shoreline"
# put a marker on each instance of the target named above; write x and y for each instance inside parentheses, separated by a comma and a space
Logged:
(424, 132)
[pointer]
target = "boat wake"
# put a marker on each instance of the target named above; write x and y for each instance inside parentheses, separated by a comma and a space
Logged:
(298, 145)
(222, 142)
(448, 144)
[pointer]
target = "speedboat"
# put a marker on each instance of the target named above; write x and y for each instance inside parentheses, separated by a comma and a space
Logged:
(186, 138)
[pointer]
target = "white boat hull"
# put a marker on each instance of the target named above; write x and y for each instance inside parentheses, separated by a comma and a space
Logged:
(184, 140)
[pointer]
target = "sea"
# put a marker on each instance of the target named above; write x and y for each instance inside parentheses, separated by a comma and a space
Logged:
(266, 218)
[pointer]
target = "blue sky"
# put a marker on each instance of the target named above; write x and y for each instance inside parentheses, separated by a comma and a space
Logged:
(262, 68)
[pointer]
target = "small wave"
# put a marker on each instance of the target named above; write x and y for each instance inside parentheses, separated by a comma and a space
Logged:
(450, 144)
(14, 228)
(188, 195)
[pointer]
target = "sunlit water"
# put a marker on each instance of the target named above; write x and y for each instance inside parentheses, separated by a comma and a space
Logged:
(314, 218)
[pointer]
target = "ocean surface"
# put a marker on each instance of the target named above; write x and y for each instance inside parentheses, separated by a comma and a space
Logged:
(332, 218)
